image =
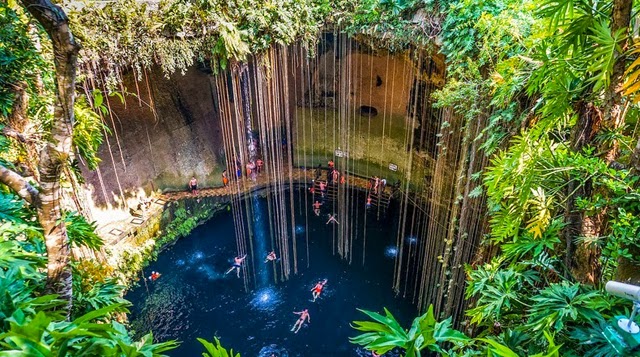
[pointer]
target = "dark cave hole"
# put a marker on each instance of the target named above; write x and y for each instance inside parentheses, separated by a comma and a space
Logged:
(378, 81)
(367, 111)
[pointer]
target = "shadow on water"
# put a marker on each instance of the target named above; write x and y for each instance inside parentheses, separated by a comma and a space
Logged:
(194, 298)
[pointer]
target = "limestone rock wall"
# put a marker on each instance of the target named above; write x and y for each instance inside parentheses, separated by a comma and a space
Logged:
(380, 82)
(159, 139)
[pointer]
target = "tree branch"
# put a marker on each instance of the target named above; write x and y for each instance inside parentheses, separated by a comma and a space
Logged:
(12, 133)
(20, 186)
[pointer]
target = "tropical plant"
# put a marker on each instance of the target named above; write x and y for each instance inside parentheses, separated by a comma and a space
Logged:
(100, 295)
(499, 293)
(215, 349)
(384, 333)
(88, 129)
(560, 304)
(82, 233)
(593, 337)
(497, 349)
(41, 335)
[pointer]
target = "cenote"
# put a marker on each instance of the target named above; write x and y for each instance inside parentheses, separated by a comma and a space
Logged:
(481, 160)
(194, 298)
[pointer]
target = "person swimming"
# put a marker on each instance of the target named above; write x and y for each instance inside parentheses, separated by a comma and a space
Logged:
(271, 257)
(237, 264)
(317, 290)
(304, 315)
(316, 208)
(154, 275)
(332, 218)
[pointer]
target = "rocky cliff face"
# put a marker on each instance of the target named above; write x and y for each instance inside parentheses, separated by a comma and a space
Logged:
(159, 140)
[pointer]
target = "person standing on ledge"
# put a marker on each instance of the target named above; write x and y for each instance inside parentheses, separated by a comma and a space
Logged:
(237, 264)
(259, 164)
(225, 178)
(336, 175)
(193, 185)
(250, 170)
(304, 315)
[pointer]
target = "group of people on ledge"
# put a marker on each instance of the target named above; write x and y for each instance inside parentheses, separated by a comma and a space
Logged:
(253, 169)
(333, 175)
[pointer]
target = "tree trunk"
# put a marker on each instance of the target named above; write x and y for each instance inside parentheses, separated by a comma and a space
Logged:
(612, 108)
(20, 186)
(583, 259)
(58, 150)
(578, 258)
(16, 129)
(627, 269)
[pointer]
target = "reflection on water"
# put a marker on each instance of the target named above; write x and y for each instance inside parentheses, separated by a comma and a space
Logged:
(391, 251)
(266, 299)
(273, 351)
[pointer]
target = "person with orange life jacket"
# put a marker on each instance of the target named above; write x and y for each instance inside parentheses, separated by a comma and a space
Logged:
(225, 178)
(154, 275)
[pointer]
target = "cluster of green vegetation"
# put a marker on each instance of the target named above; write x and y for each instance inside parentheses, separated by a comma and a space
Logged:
(35, 322)
(554, 85)
(182, 222)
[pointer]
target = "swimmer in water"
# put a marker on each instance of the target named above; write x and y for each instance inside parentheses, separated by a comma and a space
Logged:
(317, 290)
(237, 264)
(271, 257)
(332, 218)
(154, 275)
(316, 208)
(304, 315)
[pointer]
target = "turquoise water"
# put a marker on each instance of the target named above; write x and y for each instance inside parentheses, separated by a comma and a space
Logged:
(193, 298)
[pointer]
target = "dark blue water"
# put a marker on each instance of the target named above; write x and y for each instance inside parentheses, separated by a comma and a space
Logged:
(193, 298)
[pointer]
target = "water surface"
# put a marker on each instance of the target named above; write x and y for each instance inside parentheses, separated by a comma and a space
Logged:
(193, 298)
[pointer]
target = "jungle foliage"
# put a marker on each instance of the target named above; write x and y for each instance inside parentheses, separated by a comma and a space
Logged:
(33, 323)
(555, 86)
(561, 184)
